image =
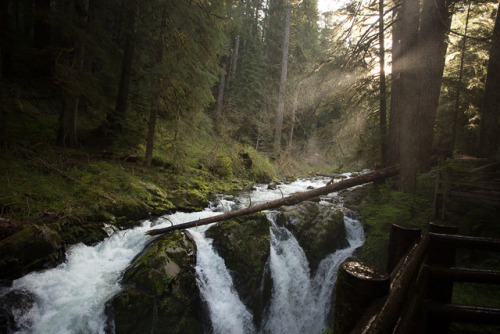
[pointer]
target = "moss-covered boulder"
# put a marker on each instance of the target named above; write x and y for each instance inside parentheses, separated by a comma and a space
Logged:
(188, 200)
(160, 294)
(32, 248)
(318, 227)
(244, 244)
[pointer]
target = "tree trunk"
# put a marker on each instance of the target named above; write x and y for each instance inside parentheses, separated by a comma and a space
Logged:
(294, 111)
(409, 95)
(220, 95)
(155, 104)
(41, 37)
(115, 118)
(459, 85)
(488, 133)
(234, 64)
(392, 150)
(383, 90)
(68, 131)
(290, 200)
(434, 25)
(151, 133)
(284, 69)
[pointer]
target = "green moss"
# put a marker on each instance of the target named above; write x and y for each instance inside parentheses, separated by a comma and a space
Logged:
(383, 206)
(161, 280)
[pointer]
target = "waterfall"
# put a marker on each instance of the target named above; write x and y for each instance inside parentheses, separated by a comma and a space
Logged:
(300, 303)
(227, 312)
(71, 297)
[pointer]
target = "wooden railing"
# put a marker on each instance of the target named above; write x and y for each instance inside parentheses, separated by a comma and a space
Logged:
(479, 183)
(419, 298)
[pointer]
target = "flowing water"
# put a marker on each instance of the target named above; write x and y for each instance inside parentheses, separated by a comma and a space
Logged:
(71, 297)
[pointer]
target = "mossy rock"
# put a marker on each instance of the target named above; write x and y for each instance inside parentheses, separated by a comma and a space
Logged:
(319, 229)
(188, 200)
(243, 243)
(32, 248)
(160, 294)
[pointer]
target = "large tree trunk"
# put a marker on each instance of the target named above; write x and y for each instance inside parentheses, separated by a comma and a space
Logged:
(284, 69)
(392, 150)
(68, 131)
(41, 37)
(489, 130)
(290, 200)
(459, 85)
(116, 117)
(383, 90)
(434, 25)
(409, 94)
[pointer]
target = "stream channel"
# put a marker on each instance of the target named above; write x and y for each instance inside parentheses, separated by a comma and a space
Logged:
(71, 297)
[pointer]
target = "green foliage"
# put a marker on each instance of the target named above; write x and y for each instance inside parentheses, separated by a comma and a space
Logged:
(386, 206)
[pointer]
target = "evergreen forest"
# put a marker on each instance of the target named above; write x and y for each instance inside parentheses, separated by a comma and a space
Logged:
(119, 110)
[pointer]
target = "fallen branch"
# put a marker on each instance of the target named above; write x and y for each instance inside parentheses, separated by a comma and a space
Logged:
(290, 200)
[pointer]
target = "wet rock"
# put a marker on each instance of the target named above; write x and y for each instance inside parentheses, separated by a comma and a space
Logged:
(32, 248)
(272, 186)
(160, 294)
(318, 227)
(243, 243)
(355, 199)
(16, 308)
(188, 200)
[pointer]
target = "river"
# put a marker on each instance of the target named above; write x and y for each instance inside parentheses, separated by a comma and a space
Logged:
(71, 297)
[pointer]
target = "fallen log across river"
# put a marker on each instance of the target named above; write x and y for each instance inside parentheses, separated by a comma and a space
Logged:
(290, 200)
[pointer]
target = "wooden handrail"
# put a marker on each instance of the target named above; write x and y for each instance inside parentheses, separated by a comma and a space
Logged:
(464, 313)
(461, 241)
(465, 274)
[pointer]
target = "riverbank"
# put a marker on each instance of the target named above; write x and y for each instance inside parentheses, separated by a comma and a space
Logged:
(54, 197)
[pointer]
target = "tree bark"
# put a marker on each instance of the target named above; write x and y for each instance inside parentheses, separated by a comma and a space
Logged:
(284, 69)
(383, 90)
(220, 95)
(394, 131)
(434, 25)
(459, 85)
(488, 133)
(290, 200)
(409, 94)
(68, 131)
(235, 56)
(294, 111)
(116, 117)
(155, 104)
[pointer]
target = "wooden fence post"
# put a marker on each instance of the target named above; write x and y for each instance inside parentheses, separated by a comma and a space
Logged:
(402, 239)
(440, 290)
(358, 285)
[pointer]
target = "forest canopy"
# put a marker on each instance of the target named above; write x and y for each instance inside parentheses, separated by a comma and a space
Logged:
(375, 82)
